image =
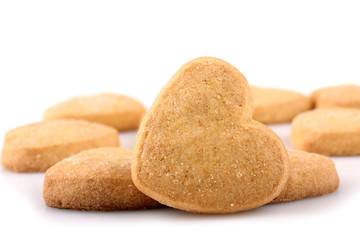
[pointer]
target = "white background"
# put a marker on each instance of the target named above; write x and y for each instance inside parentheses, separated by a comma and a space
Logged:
(53, 50)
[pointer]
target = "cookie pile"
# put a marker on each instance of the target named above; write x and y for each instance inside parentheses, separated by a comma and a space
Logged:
(202, 146)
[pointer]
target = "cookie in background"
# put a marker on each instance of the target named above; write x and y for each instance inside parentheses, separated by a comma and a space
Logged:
(118, 111)
(272, 105)
(327, 131)
(310, 175)
(347, 96)
(96, 179)
(38, 146)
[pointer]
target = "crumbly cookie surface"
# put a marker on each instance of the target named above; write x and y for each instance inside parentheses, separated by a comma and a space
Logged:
(311, 175)
(95, 179)
(347, 95)
(198, 148)
(118, 111)
(277, 105)
(327, 131)
(38, 146)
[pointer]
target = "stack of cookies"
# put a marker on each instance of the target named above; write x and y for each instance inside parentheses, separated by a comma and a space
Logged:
(201, 147)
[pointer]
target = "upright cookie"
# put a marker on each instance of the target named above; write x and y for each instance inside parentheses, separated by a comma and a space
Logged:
(198, 149)
(347, 96)
(118, 111)
(311, 175)
(38, 146)
(327, 131)
(96, 179)
(277, 106)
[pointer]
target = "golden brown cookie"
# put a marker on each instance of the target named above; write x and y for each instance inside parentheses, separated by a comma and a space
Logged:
(347, 96)
(327, 131)
(277, 106)
(95, 179)
(311, 175)
(118, 111)
(198, 148)
(38, 146)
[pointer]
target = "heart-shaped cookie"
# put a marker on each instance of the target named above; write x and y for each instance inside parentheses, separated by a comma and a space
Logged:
(273, 105)
(95, 179)
(118, 111)
(198, 148)
(310, 175)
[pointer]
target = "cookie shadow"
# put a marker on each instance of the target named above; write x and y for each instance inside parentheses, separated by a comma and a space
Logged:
(300, 208)
(127, 139)
(29, 185)
(283, 131)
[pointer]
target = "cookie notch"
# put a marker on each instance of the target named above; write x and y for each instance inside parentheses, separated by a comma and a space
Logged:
(192, 148)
